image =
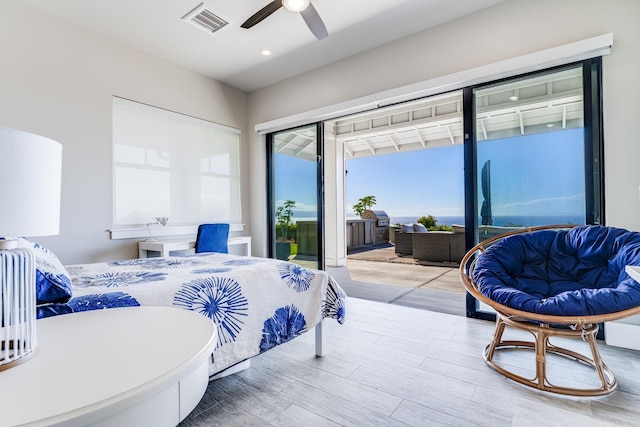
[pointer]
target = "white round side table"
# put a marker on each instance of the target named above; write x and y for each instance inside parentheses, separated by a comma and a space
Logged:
(123, 366)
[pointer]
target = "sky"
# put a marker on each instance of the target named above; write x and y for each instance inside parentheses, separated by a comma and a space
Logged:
(416, 183)
(539, 174)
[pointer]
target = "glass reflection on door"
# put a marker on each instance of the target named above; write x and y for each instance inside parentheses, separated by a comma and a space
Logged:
(530, 152)
(295, 194)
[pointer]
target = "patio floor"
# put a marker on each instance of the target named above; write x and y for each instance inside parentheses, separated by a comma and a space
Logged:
(376, 273)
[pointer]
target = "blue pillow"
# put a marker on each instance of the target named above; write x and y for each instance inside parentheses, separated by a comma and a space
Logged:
(53, 284)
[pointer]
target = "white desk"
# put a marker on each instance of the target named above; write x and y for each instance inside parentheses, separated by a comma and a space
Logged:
(116, 367)
(165, 247)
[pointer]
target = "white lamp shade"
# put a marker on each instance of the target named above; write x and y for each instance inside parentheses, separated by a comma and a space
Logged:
(30, 177)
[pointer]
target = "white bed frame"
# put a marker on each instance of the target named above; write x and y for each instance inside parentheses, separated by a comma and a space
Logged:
(247, 363)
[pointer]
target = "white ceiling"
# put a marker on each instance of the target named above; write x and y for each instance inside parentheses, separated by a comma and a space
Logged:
(232, 54)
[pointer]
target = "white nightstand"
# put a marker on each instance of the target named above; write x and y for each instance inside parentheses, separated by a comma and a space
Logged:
(165, 247)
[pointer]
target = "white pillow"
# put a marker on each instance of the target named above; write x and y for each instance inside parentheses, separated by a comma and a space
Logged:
(407, 228)
(419, 228)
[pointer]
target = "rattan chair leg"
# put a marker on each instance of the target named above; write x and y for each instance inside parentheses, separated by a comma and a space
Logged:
(542, 346)
(607, 379)
(541, 358)
(497, 338)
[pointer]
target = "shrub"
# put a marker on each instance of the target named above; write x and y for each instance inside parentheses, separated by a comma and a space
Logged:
(431, 224)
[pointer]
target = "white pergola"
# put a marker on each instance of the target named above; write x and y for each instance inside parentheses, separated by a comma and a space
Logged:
(530, 106)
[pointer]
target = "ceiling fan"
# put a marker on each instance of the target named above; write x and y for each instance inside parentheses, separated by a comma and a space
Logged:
(306, 9)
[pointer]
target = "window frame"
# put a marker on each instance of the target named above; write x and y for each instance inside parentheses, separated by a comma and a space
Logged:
(593, 146)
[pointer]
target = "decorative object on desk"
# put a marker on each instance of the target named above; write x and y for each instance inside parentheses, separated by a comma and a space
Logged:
(162, 220)
(30, 194)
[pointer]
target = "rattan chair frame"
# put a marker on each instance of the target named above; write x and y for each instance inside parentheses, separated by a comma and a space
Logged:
(542, 327)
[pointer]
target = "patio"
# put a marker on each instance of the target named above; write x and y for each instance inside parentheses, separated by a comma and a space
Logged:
(377, 273)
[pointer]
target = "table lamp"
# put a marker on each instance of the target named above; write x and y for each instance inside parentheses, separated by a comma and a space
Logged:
(30, 176)
(162, 220)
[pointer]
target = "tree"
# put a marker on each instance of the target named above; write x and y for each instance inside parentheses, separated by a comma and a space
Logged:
(363, 204)
(283, 216)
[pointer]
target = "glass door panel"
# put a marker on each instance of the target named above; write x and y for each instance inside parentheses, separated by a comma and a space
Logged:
(295, 191)
(530, 152)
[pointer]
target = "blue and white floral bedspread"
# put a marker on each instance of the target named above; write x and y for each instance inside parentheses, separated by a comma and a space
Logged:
(256, 303)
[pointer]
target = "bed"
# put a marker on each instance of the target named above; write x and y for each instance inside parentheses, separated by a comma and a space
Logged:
(256, 303)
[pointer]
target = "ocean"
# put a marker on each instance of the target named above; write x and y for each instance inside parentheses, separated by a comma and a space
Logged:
(512, 220)
(502, 220)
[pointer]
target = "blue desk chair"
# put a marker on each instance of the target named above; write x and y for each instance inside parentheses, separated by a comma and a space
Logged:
(212, 238)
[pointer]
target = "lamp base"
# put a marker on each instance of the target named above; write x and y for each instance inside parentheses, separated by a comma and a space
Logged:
(18, 296)
(15, 356)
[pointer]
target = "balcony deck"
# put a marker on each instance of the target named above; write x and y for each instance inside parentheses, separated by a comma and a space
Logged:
(377, 273)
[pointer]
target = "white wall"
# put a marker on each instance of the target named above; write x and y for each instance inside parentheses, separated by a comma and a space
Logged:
(507, 30)
(57, 80)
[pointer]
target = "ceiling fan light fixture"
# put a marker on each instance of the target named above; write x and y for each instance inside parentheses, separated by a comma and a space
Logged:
(295, 5)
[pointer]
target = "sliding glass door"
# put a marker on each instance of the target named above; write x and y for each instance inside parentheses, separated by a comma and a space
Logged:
(536, 151)
(295, 195)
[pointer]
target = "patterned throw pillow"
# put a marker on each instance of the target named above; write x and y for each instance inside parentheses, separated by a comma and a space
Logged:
(53, 284)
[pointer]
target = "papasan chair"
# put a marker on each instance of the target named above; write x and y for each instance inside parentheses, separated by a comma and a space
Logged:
(555, 281)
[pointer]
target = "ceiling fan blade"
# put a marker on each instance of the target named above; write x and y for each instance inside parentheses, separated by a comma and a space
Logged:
(314, 22)
(262, 14)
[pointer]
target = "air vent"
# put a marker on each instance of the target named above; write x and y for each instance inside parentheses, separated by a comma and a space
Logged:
(203, 18)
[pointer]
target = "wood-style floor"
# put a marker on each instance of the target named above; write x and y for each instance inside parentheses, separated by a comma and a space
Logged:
(390, 365)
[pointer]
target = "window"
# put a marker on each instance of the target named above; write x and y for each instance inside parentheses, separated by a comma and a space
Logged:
(531, 150)
(295, 195)
(533, 153)
(173, 165)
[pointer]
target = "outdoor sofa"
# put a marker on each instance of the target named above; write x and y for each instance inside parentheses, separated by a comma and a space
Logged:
(440, 246)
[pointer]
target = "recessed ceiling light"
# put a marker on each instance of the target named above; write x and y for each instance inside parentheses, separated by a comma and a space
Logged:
(513, 98)
(265, 52)
(549, 125)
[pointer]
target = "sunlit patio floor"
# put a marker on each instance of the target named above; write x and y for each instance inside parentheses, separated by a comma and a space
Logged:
(377, 274)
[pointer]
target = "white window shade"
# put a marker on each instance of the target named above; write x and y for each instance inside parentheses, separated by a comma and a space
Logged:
(173, 165)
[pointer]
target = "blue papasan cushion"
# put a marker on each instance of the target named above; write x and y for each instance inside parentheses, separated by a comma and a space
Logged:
(574, 272)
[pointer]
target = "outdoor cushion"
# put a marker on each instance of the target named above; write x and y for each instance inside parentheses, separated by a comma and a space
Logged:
(407, 228)
(575, 272)
(419, 228)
